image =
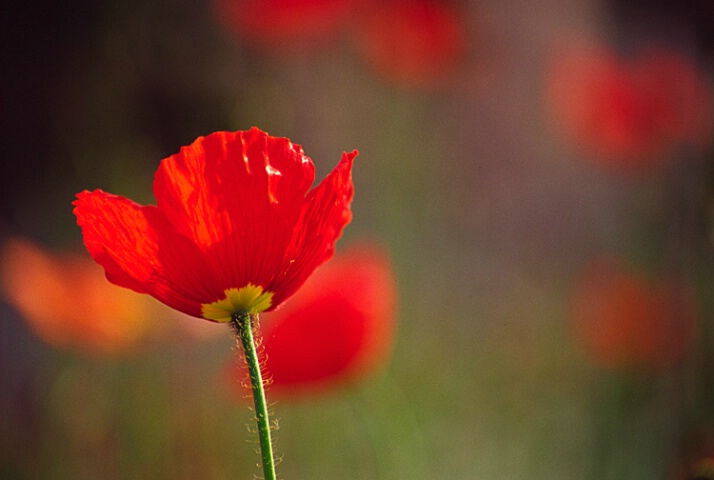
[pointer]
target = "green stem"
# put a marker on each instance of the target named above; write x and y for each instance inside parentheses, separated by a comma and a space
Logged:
(244, 324)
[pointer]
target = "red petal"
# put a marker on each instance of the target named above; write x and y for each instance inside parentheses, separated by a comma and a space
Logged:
(324, 216)
(232, 209)
(238, 196)
(338, 328)
(139, 250)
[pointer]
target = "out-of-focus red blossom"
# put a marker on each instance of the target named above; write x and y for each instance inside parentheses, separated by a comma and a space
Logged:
(236, 228)
(629, 113)
(337, 329)
(623, 320)
(284, 24)
(68, 303)
(413, 43)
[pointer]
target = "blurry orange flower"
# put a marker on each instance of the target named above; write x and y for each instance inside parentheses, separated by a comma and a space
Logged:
(283, 24)
(68, 303)
(338, 328)
(235, 228)
(414, 43)
(622, 320)
(629, 114)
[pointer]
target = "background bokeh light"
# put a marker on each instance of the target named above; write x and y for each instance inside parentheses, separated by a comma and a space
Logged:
(505, 149)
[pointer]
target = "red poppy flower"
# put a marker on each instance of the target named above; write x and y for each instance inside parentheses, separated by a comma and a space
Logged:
(79, 311)
(413, 43)
(628, 113)
(234, 229)
(623, 320)
(338, 328)
(283, 23)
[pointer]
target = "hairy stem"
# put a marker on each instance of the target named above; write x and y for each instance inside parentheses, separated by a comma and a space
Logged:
(244, 323)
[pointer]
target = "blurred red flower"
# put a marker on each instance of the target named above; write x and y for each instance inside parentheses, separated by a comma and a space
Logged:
(235, 227)
(417, 43)
(629, 114)
(338, 328)
(622, 320)
(283, 24)
(68, 304)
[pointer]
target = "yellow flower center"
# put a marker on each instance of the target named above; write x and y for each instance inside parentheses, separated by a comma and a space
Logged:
(249, 299)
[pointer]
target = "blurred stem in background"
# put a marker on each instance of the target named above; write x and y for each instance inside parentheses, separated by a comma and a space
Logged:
(244, 323)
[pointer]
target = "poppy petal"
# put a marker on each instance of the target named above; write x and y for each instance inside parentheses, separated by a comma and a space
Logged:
(233, 210)
(339, 326)
(337, 329)
(139, 250)
(238, 196)
(325, 214)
